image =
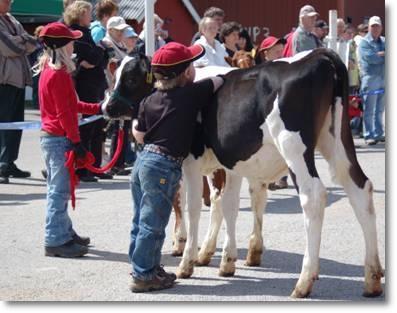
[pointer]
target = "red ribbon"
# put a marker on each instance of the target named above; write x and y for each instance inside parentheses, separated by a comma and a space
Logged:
(72, 164)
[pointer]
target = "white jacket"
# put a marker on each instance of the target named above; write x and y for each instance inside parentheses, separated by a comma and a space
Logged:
(212, 56)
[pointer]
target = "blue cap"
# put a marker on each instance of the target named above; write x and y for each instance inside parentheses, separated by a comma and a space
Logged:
(129, 32)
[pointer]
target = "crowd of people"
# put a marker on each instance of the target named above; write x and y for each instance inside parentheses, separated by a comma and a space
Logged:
(72, 61)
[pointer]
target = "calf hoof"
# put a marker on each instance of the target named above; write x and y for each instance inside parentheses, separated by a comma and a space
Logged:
(299, 294)
(204, 259)
(373, 294)
(176, 253)
(185, 272)
(228, 268)
(304, 288)
(226, 274)
(254, 258)
(178, 247)
(373, 284)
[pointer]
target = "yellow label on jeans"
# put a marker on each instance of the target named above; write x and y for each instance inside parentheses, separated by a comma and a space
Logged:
(162, 181)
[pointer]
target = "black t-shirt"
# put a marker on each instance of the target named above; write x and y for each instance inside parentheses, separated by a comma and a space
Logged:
(169, 117)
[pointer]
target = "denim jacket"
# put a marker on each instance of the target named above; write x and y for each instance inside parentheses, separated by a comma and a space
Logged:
(372, 65)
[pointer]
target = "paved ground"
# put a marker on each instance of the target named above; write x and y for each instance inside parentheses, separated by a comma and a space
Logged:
(104, 213)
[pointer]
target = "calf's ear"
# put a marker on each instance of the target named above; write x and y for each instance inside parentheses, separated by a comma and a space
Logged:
(112, 66)
(229, 60)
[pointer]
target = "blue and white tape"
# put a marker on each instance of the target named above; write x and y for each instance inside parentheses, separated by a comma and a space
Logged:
(373, 92)
(36, 125)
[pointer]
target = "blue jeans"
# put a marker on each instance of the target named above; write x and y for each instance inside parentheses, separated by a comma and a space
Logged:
(154, 181)
(373, 108)
(58, 228)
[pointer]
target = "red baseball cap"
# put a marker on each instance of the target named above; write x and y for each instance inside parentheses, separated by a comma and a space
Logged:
(173, 58)
(56, 35)
(271, 41)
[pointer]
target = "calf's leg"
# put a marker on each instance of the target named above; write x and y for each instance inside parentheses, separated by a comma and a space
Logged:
(216, 216)
(179, 234)
(194, 187)
(258, 192)
(230, 207)
(312, 194)
(338, 150)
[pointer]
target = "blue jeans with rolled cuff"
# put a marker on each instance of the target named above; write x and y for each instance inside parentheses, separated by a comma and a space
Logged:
(154, 181)
(58, 228)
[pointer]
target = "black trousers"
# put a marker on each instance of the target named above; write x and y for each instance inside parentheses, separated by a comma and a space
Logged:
(92, 135)
(12, 106)
(92, 138)
(113, 144)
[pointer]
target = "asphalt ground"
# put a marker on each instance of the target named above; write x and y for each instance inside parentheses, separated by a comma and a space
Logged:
(104, 213)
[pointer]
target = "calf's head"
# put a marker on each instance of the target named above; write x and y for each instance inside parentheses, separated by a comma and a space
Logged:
(242, 59)
(133, 82)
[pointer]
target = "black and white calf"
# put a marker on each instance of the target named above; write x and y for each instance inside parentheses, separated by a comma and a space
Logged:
(133, 81)
(264, 121)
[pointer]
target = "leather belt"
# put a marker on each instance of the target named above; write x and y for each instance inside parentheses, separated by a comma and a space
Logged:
(158, 150)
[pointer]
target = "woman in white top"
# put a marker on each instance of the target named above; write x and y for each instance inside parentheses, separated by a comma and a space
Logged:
(215, 53)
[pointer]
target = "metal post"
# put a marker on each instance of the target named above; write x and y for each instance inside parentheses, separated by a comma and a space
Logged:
(332, 44)
(149, 27)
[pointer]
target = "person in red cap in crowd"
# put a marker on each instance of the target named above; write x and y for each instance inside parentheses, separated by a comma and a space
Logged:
(165, 124)
(270, 49)
(59, 107)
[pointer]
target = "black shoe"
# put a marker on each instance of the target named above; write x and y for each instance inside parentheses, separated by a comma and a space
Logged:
(44, 173)
(162, 273)
(104, 176)
(88, 179)
(4, 180)
(14, 171)
(83, 241)
(67, 250)
(370, 142)
(121, 171)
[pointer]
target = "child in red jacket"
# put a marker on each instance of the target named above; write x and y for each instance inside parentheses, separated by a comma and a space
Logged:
(356, 116)
(59, 107)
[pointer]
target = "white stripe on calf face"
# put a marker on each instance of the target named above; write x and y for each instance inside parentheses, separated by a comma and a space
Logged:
(119, 70)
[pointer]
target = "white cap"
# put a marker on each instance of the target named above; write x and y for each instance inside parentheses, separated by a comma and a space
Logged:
(307, 10)
(375, 20)
(117, 22)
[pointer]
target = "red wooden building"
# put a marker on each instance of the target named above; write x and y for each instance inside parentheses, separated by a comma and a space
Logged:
(261, 16)
(258, 16)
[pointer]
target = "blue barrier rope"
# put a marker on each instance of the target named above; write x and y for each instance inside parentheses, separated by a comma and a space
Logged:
(373, 92)
(37, 125)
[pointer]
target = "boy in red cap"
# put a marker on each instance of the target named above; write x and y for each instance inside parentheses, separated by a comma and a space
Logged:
(166, 123)
(270, 49)
(59, 106)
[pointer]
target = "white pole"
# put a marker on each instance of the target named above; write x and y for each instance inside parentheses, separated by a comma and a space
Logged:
(149, 27)
(192, 10)
(332, 44)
